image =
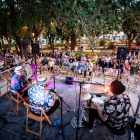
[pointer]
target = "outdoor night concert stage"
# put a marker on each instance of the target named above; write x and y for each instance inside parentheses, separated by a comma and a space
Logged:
(14, 128)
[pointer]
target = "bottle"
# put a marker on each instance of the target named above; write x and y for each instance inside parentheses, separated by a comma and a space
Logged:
(58, 122)
(55, 123)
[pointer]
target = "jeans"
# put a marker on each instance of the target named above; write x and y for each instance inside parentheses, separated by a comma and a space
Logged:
(132, 70)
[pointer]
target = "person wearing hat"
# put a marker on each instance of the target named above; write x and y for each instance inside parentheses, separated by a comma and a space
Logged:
(16, 83)
(115, 111)
(40, 96)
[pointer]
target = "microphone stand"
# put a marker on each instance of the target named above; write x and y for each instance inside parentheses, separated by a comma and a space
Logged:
(61, 126)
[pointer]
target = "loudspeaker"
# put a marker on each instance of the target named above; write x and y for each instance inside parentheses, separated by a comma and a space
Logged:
(121, 54)
(35, 48)
(68, 80)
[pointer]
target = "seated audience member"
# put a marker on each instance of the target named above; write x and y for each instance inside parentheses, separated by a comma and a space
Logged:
(74, 65)
(111, 64)
(116, 65)
(84, 58)
(58, 62)
(54, 56)
(71, 59)
(104, 64)
(115, 112)
(23, 57)
(89, 67)
(51, 64)
(100, 58)
(127, 67)
(1, 65)
(11, 62)
(16, 83)
(78, 58)
(6, 54)
(64, 57)
(96, 56)
(113, 58)
(48, 54)
(5, 66)
(108, 59)
(45, 61)
(66, 63)
(81, 66)
(2, 54)
(58, 55)
(67, 53)
(37, 60)
(41, 96)
(94, 59)
(133, 65)
(72, 53)
(89, 56)
(33, 67)
(41, 54)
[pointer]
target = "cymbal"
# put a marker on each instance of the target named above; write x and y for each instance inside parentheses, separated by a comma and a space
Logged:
(84, 96)
(84, 85)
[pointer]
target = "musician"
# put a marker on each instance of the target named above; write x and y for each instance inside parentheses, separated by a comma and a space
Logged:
(40, 96)
(24, 76)
(115, 112)
(17, 84)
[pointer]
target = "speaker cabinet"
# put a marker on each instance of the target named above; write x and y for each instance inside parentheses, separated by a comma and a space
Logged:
(121, 54)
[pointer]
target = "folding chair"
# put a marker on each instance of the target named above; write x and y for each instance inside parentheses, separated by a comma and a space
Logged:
(32, 116)
(89, 76)
(64, 70)
(18, 100)
(107, 75)
(98, 70)
(80, 75)
(70, 72)
(8, 86)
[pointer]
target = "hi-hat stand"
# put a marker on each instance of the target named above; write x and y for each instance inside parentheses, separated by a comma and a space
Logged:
(78, 116)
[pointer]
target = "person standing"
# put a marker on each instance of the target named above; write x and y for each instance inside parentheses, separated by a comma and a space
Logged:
(133, 65)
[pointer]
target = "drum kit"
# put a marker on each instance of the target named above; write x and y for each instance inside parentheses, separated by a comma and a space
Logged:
(95, 98)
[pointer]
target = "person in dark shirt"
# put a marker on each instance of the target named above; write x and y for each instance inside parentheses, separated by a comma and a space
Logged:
(48, 54)
(71, 60)
(115, 112)
(111, 64)
(78, 58)
(103, 64)
(45, 61)
(11, 62)
(58, 62)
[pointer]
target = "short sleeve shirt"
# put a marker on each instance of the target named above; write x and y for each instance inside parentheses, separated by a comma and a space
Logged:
(16, 84)
(38, 98)
(117, 111)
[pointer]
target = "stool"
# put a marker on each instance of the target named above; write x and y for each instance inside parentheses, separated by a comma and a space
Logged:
(117, 132)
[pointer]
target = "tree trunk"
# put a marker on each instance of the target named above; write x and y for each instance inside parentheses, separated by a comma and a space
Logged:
(73, 41)
(50, 41)
(9, 44)
(36, 39)
(0, 46)
(129, 45)
(67, 42)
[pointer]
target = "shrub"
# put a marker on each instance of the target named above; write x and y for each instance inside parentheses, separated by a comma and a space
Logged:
(102, 42)
(111, 45)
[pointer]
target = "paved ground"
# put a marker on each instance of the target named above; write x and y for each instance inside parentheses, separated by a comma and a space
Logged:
(13, 128)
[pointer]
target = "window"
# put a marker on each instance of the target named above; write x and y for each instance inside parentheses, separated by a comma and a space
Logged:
(117, 37)
(107, 37)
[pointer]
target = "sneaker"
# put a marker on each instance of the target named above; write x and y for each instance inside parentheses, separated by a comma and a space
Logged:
(86, 125)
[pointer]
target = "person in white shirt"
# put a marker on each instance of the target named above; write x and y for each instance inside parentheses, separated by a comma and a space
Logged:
(96, 55)
(108, 58)
(89, 65)
(84, 58)
(16, 60)
(51, 64)
(74, 65)
(72, 53)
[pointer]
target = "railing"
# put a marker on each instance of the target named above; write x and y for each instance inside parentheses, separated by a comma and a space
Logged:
(136, 115)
